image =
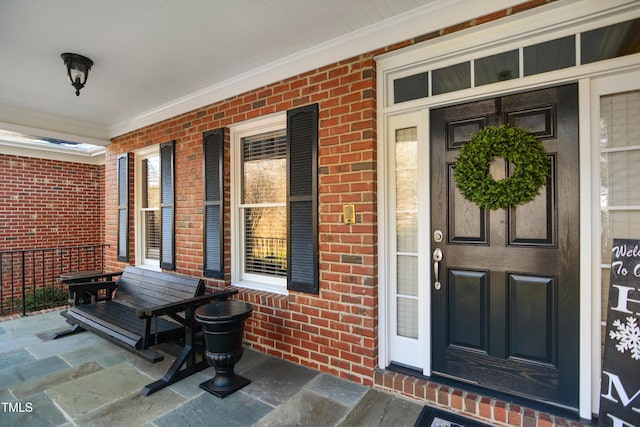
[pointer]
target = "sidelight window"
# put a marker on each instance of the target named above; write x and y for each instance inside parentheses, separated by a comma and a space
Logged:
(406, 177)
(619, 157)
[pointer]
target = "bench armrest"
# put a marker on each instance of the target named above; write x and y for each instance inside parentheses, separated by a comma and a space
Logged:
(90, 292)
(82, 278)
(92, 286)
(183, 304)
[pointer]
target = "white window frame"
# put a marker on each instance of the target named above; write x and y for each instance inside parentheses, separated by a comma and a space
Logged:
(139, 156)
(239, 278)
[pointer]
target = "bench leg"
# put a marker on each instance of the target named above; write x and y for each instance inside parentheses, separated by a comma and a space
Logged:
(75, 328)
(175, 374)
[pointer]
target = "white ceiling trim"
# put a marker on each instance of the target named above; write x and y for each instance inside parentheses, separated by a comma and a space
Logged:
(48, 133)
(426, 19)
(50, 126)
(51, 153)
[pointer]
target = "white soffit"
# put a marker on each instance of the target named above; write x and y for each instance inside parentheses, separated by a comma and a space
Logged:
(430, 17)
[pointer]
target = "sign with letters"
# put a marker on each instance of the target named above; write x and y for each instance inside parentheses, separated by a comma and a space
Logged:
(620, 384)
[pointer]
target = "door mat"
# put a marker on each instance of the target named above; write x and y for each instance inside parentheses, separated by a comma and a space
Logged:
(432, 417)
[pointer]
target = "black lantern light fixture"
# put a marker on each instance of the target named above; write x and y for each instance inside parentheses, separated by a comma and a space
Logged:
(78, 67)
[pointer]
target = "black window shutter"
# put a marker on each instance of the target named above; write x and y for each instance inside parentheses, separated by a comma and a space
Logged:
(214, 203)
(167, 206)
(123, 206)
(302, 199)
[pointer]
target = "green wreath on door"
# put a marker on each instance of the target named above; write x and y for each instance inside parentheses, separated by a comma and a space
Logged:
(517, 146)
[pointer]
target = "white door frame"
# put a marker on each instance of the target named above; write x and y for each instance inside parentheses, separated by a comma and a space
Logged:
(547, 23)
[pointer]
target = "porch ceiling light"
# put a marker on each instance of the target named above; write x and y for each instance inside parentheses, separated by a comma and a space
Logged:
(78, 67)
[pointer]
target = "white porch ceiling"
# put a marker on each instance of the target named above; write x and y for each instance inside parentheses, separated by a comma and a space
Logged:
(154, 59)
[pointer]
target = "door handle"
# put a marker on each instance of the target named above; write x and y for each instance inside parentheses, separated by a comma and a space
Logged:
(437, 257)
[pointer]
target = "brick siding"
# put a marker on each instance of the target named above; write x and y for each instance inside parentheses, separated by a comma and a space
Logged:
(46, 203)
(492, 411)
(337, 330)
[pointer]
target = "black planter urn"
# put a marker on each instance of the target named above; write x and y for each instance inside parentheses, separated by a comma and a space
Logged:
(223, 326)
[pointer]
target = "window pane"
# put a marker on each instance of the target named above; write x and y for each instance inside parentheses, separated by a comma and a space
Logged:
(619, 125)
(264, 195)
(264, 168)
(411, 87)
(610, 42)
(549, 56)
(497, 68)
(620, 134)
(620, 178)
(623, 224)
(152, 234)
(406, 147)
(407, 318)
(265, 238)
(151, 183)
(408, 275)
(449, 79)
(407, 189)
(150, 203)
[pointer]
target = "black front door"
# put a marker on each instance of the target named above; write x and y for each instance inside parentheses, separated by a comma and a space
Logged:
(506, 315)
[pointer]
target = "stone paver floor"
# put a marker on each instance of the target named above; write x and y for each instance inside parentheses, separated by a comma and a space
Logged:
(84, 380)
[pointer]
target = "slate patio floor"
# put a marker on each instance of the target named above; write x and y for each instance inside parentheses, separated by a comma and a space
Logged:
(84, 380)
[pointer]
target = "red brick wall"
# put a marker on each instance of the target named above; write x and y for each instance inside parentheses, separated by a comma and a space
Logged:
(48, 203)
(335, 331)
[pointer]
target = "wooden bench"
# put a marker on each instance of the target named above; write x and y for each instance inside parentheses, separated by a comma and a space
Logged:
(146, 308)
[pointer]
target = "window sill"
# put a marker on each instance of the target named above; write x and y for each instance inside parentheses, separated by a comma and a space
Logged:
(265, 287)
(149, 267)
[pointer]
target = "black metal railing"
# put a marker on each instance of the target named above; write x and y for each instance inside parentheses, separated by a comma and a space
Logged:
(30, 278)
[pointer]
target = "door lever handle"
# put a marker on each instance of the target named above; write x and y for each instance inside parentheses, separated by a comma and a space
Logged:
(437, 257)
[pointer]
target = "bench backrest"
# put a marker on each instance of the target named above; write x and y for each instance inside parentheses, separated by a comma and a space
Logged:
(141, 288)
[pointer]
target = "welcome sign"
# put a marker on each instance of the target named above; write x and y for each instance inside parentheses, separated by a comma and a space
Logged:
(620, 384)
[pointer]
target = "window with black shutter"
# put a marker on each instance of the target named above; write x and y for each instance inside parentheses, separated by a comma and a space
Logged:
(214, 203)
(302, 199)
(167, 206)
(123, 206)
(274, 219)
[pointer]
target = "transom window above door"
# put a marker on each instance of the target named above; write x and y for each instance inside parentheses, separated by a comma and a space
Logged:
(583, 48)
